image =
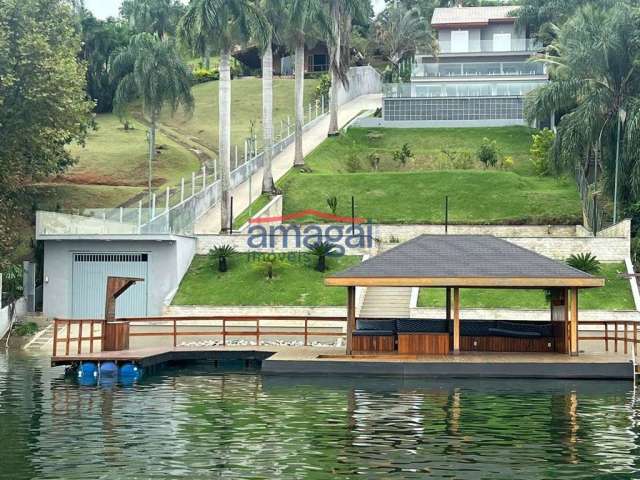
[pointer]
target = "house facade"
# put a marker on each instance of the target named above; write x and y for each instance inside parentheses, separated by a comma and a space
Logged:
(478, 77)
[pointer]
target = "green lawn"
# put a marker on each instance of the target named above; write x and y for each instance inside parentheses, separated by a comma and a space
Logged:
(414, 193)
(295, 283)
(68, 197)
(246, 106)
(113, 156)
(475, 197)
(616, 295)
(256, 206)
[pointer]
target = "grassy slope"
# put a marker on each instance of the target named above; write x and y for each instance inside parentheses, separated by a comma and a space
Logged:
(246, 284)
(476, 197)
(616, 295)
(246, 105)
(113, 156)
(415, 194)
(426, 144)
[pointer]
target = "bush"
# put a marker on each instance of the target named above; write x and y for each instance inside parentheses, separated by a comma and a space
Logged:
(323, 88)
(457, 160)
(321, 250)
(403, 155)
(635, 253)
(25, 329)
(332, 202)
(374, 161)
(585, 262)
(507, 163)
(541, 151)
(220, 256)
(352, 163)
(203, 75)
(488, 153)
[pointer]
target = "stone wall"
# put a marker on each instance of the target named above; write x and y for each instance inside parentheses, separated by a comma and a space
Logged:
(362, 81)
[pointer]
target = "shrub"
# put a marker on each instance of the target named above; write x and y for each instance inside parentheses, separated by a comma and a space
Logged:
(374, 161)
(268, 265)
(635, 252)
(322, 250)
(403, 155)
(377, 113)
(507, 163)
(202, 75)
(488, 153)
(332, 202)
(323, 88)
(585, 262)
(541, 151)
(352, 163)
(25, 329)
(220, 256)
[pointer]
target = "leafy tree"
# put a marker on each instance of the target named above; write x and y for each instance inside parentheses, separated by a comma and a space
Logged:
(222, 25)
(43, 105)
(594, 65)
(400, 33)
(101, 39)
(541, 148)
(149, 70)
(159, 17)
(402, 156)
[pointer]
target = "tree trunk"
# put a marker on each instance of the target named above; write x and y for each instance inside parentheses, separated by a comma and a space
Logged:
(207, 58)
(267, 117)
(335, 69)
(152, 154)
(224, 132)
(299, 99)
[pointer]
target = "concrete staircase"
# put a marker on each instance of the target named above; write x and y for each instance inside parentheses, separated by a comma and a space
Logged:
(41, 340)
(389, 302)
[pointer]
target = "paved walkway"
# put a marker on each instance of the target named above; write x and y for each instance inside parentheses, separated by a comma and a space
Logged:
(282, 163)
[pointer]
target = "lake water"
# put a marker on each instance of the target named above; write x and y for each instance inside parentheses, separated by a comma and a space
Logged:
(201, 423)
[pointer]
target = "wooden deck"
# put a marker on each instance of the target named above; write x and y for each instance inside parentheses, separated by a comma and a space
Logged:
(333, 361)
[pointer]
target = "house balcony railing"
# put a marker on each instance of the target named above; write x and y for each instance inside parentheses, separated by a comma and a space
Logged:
(479, 46)
(477, 69)
(456, 90)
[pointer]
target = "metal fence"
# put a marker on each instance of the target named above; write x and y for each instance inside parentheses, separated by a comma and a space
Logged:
(176, 209)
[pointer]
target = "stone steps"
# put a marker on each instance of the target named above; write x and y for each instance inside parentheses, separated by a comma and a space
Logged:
(386, 302)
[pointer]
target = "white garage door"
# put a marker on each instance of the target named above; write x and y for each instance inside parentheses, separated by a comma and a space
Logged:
(89, 283)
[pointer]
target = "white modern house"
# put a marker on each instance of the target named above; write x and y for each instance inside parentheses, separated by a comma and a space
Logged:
(478, 77)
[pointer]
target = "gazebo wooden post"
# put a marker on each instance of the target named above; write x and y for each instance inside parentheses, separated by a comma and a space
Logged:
(573, 315)
(448, 304)
(351, 317)
(456, 320)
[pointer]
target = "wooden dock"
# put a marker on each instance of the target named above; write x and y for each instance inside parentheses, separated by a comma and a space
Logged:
(333, 361)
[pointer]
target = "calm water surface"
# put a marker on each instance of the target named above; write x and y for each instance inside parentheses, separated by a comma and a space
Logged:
(202, 422)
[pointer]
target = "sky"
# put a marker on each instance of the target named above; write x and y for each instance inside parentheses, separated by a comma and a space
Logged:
(110, 8)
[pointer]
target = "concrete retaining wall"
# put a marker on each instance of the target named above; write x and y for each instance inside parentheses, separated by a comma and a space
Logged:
(362, 81)
(514, 314)
(21, 309)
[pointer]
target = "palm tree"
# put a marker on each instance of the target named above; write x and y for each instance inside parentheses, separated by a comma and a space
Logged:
(150, 70)
(401, 33)
(221, 24)
(301, 15)
(341, 14)
(594, 66)
(272, 10)
(152, 16)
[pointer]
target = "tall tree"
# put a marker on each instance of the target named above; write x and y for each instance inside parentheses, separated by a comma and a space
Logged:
(272, 10)
(43, 104)
(101, 39)
(400, 33)
(153, 16)
(540, 17)
(151, 71)
(221, 24)
(300, 18)
(594, 65)
(341, 14)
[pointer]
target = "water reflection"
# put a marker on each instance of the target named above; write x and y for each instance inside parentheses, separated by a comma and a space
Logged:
(201, 422)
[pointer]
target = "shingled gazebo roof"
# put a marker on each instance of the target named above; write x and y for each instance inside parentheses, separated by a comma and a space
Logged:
(463, 261)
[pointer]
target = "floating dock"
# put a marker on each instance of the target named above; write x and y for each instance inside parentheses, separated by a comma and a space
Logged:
(333, 361)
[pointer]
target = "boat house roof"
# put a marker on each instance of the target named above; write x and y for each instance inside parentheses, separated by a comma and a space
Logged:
(480, 261)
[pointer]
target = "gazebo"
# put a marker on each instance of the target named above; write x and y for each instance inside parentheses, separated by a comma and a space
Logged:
(455, 262)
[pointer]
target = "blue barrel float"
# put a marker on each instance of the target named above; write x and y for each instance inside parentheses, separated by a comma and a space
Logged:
(89, 373)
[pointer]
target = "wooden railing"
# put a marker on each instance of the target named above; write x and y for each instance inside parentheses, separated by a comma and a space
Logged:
(222, 328)
(612, 332)
(63, 333)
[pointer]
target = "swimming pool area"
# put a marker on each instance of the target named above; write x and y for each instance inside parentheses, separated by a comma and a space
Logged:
(200, 421)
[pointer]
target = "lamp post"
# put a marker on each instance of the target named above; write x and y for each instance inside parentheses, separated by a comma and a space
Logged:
(622, 116)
